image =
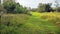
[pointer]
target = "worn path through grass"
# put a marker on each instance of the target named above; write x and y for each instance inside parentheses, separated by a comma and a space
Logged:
(36, 23)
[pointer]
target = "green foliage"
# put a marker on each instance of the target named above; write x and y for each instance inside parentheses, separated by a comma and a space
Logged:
(9, 6)
(58, 9)
(38, 23)
(44, 7)
(11, 23)
(57, 5)
(1, 8)
(12, 7)
(20, 9)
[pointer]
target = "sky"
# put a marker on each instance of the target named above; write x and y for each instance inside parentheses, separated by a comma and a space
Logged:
(35, 3)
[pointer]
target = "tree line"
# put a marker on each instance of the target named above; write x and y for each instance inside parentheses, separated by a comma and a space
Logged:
(46, 8)
(13, 7)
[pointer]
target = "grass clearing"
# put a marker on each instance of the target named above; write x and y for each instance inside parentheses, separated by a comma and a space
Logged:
(38, 23)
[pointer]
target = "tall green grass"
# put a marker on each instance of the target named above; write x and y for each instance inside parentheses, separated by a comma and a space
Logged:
(11, 22)
(38, 23)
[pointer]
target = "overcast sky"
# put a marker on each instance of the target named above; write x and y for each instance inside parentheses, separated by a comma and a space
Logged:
(34, 3)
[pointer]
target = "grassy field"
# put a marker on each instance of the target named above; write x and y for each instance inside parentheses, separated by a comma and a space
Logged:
(38, 23)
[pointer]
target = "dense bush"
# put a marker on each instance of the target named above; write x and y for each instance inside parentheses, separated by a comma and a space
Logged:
(11, 22)
(20, 9)
(1, 8)
(12, 7)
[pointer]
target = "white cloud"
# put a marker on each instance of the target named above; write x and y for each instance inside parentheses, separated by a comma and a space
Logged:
(33, 3)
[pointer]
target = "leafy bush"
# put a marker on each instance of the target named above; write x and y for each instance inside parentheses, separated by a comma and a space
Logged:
(11, 22)
(12, 7)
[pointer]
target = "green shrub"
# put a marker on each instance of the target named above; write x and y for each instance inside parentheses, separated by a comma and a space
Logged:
(11, 22)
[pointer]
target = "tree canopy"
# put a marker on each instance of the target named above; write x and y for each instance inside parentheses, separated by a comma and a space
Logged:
(44, 7)
(13, 7)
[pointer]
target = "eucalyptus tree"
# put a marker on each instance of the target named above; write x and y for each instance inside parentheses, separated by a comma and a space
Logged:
(57, 5)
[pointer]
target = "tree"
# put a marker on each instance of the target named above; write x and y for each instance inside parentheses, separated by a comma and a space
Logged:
(9, 6)
(13, 7)
(48, 7)
(57, 5)
(44, 7)
(58, 9)
(20, 9)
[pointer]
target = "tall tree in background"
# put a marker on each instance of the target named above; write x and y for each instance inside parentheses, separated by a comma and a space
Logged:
(44, 7)
(48, 7)
(57, 5)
